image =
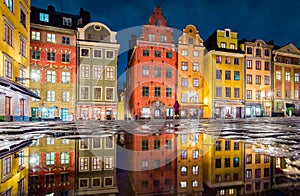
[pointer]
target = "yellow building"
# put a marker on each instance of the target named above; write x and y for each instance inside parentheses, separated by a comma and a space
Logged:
(257, 169)
(14, 60)
(14, 168)
(223, 165)
(121, 106)
(258, 57)
(190, 73)
(190, 164)
(224, 67)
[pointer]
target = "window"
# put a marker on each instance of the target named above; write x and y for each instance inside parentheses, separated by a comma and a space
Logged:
(249, 64)
(236, 61)
(145, 70)
(50, 37)
(258, 94)
(287, 93)
(227, 60)
(249, 94)
(67, 21)
(109, 142)
(6, 167)
(8, 33)
(183, 154)
(145, 164)
(258, 52)
(51, 56)
(248, 173)
(195, 154)
(108, 161)
(183, 138)
(157, 53)
(49, 178)
(249, 50)
(146, 53)
(218, 59)
(195, 82)
(195, 170)
(227, 91)
(191, 40)
(236, 93)
(65, 58)
(195, 53)
(156, 164)
(184, 66)
(35, 35)
(257, 158)
(267, 65)
(218, 178)
(236, 162)
(219, 74)
(84, 92)
(296, 94)
(258, 65)
(257, 173)
(218, 163)
(22, 46)
(227, 33)
(249, 79)
(195, 183)
(152, 38)
(184, 52)
(278, 93)
(227, 177)
(184, 98)
(96, 143)
(145, 91)
(65, 77)
(50, 158)
(157, 72)
(227, 75)
(64, 177)
(169, 55)
(109, 54)
(195, 66)
(227, 162)
(183, 170)
(109, 94)
(163, 38)
(156, 144)
(65, 40)
(64, 158)
(85, 71)
(23, 17)
(168, 144)
(232, 46)
(9, 4)
(85, 52)
(278, 75)
(267, 52)
(223, 45)
(84, 144)
(258, 79)
(236, 75)
(278, 106)
(110, 71)
(65, 96)
(266, 172)
(83, 183)
(218, 145)
(145, 184)
(97, 72)
(169, 92)
(288, 60)
(84, 164)
(267, 80)
(44, 17)
(50, 96)
(296, 77)
(37, 92)
(51, 76)
(227, 145)
(35, 54)
(287, 76)
(278, 59)
(183, 184)
(96, 163)
(218, 91)
(184, 82)
(8, 68)
(145, 145)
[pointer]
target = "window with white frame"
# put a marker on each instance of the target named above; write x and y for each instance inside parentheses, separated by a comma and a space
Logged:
(184, 98)
(8, 33)
(108, 162)
(35, 54)
(51, 56)
(145, 164)
(184, 82)
(195, 53)
(83, 182)
(97, 53)
(65, 96)
(64, 158)
(8, 67)
(97, 72)
(50, 96)
(195, 66)
(195, 170)
(6, 167)
(98, 93)
(183, 184)
(23, 18)
(85, 71)
(44, 17)
(184, 52)
(109, 54)
(65, 40)
(21, 187)
(67, 21)
(195, 154)
(65, 58)
(157, 71)
(49, 140)
(51, 76)
(296, 77)
(184, 66)
(50, 158)
(296, 94)
(83, 164)
(84, 92)
(163, 38)
(51, 37)
(9, 4)
(278, 75)
(108, 181)
(85, 52)
(21, 157)
(195, 82)
(23, 46)
(22, 74)
(152, 37)
(218, 91)
(109, 73)
(65, 77)
(232, 46)
(288, 76)
(96, 163)
(84, 144)
(223, 45)
(37, 92)
(35, 35)
(145, 70)
(109, 94)
(96, 141)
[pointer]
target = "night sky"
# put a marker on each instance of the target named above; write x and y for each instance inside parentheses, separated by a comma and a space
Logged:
(252, 19)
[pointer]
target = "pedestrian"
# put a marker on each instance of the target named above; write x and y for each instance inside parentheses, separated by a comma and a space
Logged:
(176, 107)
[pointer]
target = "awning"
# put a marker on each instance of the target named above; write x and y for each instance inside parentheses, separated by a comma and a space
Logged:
(229, 104)
(18, 87)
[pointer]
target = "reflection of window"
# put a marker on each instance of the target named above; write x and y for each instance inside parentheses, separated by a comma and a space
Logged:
(151, 37)
(96, 163)
(145, 164)
(65, 40)
(145, 70)
(108, 161)
(44, 17)
(85, 52)
(157, 91)
(227, 162)
(109, 73)
(219, 59)
(157, 71)
(183, 170)
(6, 166)
(227, 75)
(97, 93)
(9, 4)
(248, 174)
(168, 92)
(65, 96)
(278, 75)
(109, 54)
(219, 74)
(50, 158)
(169, 55)
(65, 58)
(35, 54)
(145, 144)
(64, 158)
(146, 53)
(183, 154)
(184, 52)
(218, 163)
(195, 154)
(67, 21)
(108, 181)
(145, 91)
(35, 35)
(249, 64)
(97, 72)
(109, 142)
(249, 94)
(65, 77)
(49, 178)
(83, 183)
(84, 164)
(195, 170)
(184, 82)
(85, 71)
(51, 37)
(50, 96)
(109, 94)
(51, 56)
(84, 92)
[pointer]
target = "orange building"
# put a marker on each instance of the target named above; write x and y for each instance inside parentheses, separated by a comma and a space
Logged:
(152, 70)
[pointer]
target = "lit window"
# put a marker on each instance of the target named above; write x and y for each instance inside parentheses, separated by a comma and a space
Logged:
(50, 37)
(287, 76)
(196, 53)
(109, 73)
(85, 71)
(44, 17)
(184, 52)
(84, 92)
(108, 162)
(183, 184)
(51, 76)
(50, 158)
(83, 164)
(109, 54)
(65, 77)
(65, 96)
(35, 35)
(278, 75)
(64, 158)
(98, 93)
(109, 94)
(9, 4)
(50, 96)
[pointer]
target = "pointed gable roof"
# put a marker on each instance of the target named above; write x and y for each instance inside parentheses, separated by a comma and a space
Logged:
(290, 49)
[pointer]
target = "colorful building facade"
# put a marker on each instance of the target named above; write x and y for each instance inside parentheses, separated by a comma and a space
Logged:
(14, 60)
(191, 82)
(151, 74)
(97, 72)
(53, 63)
(258, 62)
(224, 72)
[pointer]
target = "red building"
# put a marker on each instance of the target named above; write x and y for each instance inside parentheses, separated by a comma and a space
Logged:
(152, 70)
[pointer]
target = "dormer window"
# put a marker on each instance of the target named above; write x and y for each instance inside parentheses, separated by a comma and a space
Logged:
(223, 45)
(44, 17)
(227, 32)
(67, 21)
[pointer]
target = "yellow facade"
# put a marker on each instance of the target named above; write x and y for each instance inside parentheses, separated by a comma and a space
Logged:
(223, 163)
(258, 56)
(190, 157)
(224, 67)
(18, 173)
(191, 82)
